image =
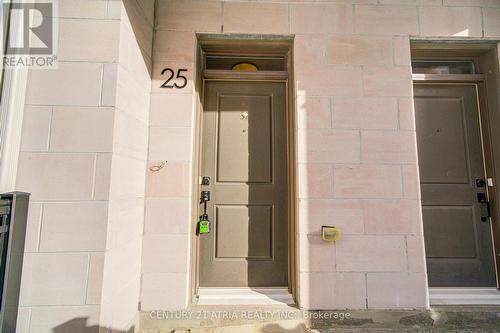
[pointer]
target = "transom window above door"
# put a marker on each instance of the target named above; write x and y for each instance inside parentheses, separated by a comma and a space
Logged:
(443, 67)
(252, 64)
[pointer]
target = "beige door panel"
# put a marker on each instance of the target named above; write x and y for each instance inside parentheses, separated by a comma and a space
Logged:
(244, 154)
(458, 244)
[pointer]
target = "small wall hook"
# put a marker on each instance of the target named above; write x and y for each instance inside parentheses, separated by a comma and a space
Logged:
(156, 168)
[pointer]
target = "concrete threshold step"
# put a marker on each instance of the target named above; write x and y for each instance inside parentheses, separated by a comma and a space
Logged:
(244, 296)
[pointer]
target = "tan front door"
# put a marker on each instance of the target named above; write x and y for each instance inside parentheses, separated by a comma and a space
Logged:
(244, 152)
(458, 241)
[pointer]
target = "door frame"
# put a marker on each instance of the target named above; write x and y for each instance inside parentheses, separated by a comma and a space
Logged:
(482, 85)
(245, 45)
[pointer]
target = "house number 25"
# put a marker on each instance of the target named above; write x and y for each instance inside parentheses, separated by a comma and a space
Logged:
(171, 73)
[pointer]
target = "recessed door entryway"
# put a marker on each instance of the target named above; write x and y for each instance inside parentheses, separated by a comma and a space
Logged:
(244, 152)
(454, 186)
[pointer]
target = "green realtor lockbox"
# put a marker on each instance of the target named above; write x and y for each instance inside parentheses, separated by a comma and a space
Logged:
(203, 227)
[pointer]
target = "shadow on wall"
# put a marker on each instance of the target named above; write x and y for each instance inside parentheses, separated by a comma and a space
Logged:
(79, 325)
(137, 23)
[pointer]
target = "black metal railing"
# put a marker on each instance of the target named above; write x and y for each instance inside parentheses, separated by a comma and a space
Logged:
(13, 220)
(5, 208)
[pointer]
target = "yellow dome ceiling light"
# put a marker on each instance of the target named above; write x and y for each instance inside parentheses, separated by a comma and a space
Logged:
(245, 66)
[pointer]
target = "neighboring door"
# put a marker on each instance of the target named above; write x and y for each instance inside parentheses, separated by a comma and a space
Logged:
(244, 152)
(458, 243)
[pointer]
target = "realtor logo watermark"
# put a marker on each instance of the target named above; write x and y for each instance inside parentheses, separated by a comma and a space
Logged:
(30, 34)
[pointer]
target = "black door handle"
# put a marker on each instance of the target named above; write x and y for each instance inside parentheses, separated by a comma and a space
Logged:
(485, 207)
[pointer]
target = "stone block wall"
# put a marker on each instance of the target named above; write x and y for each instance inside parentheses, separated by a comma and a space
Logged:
(357, 159)
(107, 237)
(83, 158)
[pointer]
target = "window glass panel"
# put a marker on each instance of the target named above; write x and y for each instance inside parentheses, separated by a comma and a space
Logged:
(443, 67)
